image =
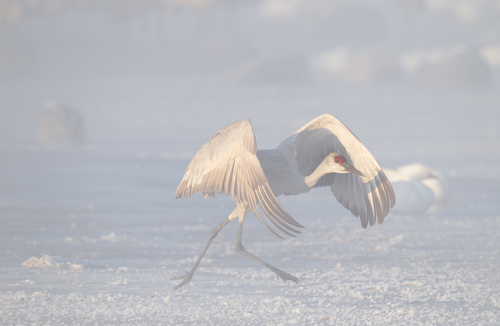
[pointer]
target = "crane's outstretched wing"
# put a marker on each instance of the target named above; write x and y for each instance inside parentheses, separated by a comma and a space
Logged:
(228, 164)
(368, 197)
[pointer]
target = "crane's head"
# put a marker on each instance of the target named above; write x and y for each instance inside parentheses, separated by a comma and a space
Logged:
(338, 164)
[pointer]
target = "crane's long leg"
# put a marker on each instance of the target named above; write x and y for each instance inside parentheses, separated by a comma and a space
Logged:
(213, 234)
(279, 273)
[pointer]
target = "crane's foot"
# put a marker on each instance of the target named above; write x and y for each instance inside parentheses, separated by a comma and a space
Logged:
(186, 278)
(284, 275)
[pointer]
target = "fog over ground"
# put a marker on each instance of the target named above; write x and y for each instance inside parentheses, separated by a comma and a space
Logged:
(104, 103)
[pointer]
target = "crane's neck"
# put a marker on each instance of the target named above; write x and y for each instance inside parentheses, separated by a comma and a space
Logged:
(329, 165)
(314, 177)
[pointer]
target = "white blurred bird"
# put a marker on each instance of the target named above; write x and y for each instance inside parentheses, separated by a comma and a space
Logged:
(417, 187)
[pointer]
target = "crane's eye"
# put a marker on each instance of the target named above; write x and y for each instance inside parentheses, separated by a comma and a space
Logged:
(339, 160)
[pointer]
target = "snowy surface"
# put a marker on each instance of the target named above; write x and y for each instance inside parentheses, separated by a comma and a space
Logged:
(92, 235)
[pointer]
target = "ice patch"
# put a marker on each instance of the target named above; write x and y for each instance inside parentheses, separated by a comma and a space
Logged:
(119, 282)
(196, 228)
(89, 240)
(76, 267)
(70, 241)
(19, 296)
(121, 269)
(45, 261)
(396, 240)
(110, 237)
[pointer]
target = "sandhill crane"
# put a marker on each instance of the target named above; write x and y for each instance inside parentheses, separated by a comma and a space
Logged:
(324, 152)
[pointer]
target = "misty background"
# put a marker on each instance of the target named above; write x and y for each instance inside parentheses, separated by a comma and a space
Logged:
(104, 102)
(144, 70)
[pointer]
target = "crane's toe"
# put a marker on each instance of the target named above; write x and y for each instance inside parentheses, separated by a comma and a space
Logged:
(186, 278)
(285, 276)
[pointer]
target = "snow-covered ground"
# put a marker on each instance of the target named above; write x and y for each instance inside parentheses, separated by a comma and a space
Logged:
(93, 234)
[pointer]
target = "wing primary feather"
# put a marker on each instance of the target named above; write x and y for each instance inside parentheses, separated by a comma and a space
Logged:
(382, 200)
(372, 199)
(275, 214)
(367, 194)
(352, 193)
(256, 212)
(360, 203)
(267, 200)
(378, 202)
(220, 179)
(227, 180)
(388, 188)
(234, 177)
(270, 214)
(207, 181)
(280, 212)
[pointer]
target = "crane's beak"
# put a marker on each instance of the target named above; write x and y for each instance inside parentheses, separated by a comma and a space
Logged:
(349, 168)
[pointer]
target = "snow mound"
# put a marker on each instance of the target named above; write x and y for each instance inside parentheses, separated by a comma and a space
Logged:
(47, 261)
(44, 261)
